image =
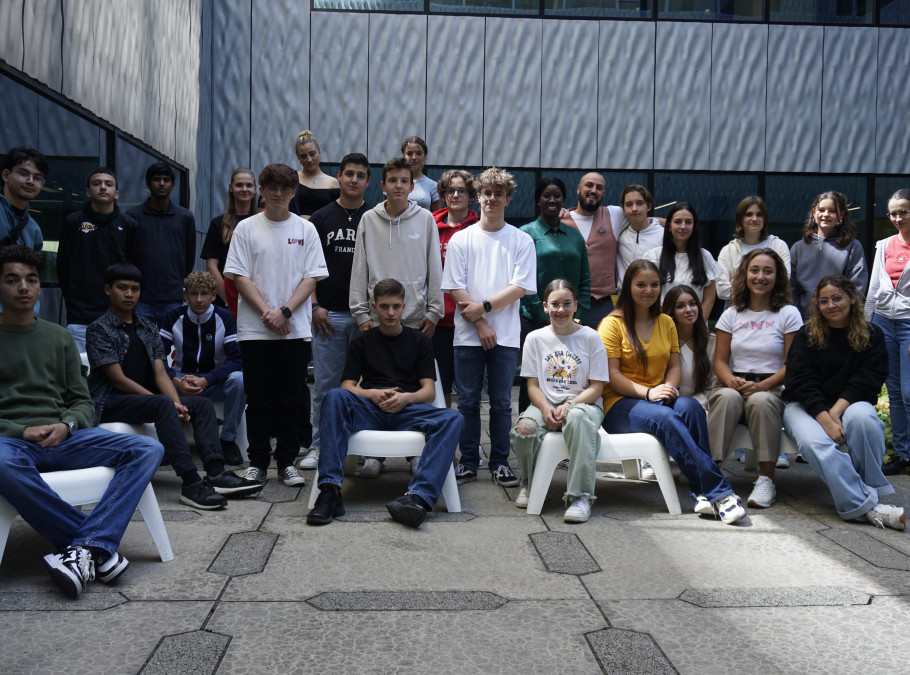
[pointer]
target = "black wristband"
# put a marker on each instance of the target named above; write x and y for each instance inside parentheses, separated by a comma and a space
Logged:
(648, 395)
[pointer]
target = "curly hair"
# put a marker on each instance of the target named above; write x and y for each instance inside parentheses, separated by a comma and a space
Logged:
(846, 230)
(703, 365)
(446, 179)
(23, 255)
(857, 326)
(496, 177)
(199, 280)
(780, 293)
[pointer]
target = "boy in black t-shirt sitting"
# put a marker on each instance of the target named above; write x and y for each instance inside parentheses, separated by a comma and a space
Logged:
(396, 373)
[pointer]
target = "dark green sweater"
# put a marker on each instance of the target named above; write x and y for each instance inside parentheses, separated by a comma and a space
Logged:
(40, 379)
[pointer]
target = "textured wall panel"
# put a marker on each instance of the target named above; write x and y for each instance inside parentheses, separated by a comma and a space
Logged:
(793, 140)
(11, 48)
(569, 101)
(206, 204)
(682, 116)
(511, 106)
(625, 99)
(43, 27)
(398, 83)
(892, 142)
(738, 90)
(339, 81)
(848, 100)
(455, 55)
(281, 102)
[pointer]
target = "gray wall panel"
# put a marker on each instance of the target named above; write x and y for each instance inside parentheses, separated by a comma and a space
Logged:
(739, 55)
(682, 117)
(455, 90)
(11, 47)
(339, 81)
(398, 83)
(793, 141)
(569, 101)
(848, 100)
(280, 102)
(625, 98)
(207, 204)
(892, 142)
(511, 107)
(43, 23)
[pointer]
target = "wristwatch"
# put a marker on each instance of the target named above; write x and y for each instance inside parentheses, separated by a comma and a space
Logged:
(487, 307)
(71, 426)
(287, 313)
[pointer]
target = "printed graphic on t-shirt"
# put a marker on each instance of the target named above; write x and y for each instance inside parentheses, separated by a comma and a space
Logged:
(562, 369)
(87, 227)
(756, 325)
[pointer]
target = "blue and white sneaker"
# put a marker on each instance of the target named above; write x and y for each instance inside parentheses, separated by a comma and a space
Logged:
(728, 509)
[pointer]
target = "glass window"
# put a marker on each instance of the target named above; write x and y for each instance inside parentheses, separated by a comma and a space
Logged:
(823, 11)
(711, 10)
(384, 5)
(132, 162)
(21, 127)
(521, 7)
(894, 12)
(885, 186)
(600, 8)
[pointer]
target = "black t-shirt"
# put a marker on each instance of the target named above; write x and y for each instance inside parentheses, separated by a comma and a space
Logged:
(214, 246)
(337, 230)
(136, 364)
(385, 362)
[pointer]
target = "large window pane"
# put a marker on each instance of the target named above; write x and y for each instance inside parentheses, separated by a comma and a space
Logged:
(601, 8)
(520, 7)
(20, 116)
(387, 5)
(885, 186)
(894, 12)
(131, 165)
(822, 11)
(711, 10)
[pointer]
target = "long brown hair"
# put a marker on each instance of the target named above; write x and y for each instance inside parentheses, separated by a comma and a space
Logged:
(752, 200)
(846, 230)
(703, 365)
(780, 293)
(857, 328)
(625, 307)
(229, 219)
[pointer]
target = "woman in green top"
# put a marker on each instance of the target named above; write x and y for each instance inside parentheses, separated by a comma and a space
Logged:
(561, 254)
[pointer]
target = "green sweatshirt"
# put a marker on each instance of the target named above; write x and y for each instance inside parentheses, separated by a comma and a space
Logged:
(41, 380)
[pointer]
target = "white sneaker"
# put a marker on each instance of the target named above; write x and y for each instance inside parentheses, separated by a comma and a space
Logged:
(764, 493)
(647, 472)
(291, 478)
(414, 462)
(310, 461)
(883, 515)
(729, 510)
(740, 455)
(579, 511)
(783, 462)
(371, 468)
(521, 501)
(252, 473)
(703, 507)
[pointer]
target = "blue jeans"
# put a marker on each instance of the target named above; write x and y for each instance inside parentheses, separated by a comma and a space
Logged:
(897, 341)
(345, 413)
(133, 458)
(500, 364)
(328, 361)
(231, 392)
(682, 428)
(156, 311)
(77, 330)
(854, 477)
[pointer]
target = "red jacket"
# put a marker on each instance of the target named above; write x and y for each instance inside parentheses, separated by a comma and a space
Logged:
(445, 234)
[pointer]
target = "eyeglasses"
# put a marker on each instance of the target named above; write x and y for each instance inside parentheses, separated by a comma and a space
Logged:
(568, 305)
(277, 190)
(903, 213)
(833, 300)
(486, 194)
(26, 177)
(452, 192)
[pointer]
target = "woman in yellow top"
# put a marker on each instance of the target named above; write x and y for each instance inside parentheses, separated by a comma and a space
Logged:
(642, 395)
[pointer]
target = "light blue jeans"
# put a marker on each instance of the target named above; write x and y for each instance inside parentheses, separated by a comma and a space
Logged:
(231, 392)
(328, 361)
(77, 330)
(854, 477)
(897, 341)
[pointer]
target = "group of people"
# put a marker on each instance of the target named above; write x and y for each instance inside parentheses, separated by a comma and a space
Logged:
(383, 297)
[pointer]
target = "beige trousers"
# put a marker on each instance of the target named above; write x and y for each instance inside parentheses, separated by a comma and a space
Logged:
(762, 414)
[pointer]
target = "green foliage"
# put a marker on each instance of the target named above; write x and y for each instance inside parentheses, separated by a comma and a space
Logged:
(883, 408)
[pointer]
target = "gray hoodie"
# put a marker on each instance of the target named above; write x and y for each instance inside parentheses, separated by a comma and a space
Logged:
(405, 248)
(809, 262)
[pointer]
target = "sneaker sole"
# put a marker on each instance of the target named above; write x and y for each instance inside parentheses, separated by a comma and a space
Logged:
(757, 505)
(71, 585)
(324, 520)
(302, 465)
(233, 493)
(729, 520)
(465, 479)
(295, 482)
(576, 519)
(506, 483)
(114, 573)
(412, 516)
(204, 507)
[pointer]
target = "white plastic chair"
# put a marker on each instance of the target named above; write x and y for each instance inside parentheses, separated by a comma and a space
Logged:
(395, 444)
(627, 448)
(87, 486)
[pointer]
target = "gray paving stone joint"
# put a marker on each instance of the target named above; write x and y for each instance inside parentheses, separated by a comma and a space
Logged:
(366, 601)
(626, 652)
(563, 552)
(244, 553)
(31, 601)
(198, 652)
(869, 549)
(809, 596)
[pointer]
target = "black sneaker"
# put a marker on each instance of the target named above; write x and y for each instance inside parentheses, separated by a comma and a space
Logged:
(464, 474)
(231, 453)
(108, 570)
(71, 570)
(232, 485)
(897, 465)
(503, 476)
(201, 495)
(329, 504)
(408, 510)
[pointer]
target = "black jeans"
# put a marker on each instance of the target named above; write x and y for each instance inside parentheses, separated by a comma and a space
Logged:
(272, 373)
(160, 410)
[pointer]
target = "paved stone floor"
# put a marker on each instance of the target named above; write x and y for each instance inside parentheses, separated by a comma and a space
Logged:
(253, 589)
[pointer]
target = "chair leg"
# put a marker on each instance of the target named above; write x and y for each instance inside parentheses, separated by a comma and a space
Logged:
(667, 485)
(450, 492)
(7, 516)
(631, 469)
(548, 457)
(314, 489)
(151, 514)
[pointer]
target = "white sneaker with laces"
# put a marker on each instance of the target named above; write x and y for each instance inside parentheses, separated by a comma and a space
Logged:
(729, 510)
(521, 501)
(310, 462)
(703, 507)
(252, 473)
(291, 478)
(883, 515)
(783, 462)
(763, 494)
(371, 468)
(580, 510)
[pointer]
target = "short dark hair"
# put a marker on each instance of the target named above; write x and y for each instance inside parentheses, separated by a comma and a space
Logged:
(159, 169)
(21, 154)
(357, 158)
(22, 254)
(100, 169)
(122, 272)
(278, 175)
(546, 182)
(388, 287)
(394, 165)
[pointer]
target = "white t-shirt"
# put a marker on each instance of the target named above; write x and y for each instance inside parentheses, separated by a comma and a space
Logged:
(484, 263)
(683, 275)
(583, 223)
(757, 338)
(632, 245)
(276, 257)
(564, 365)
(687, 364)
